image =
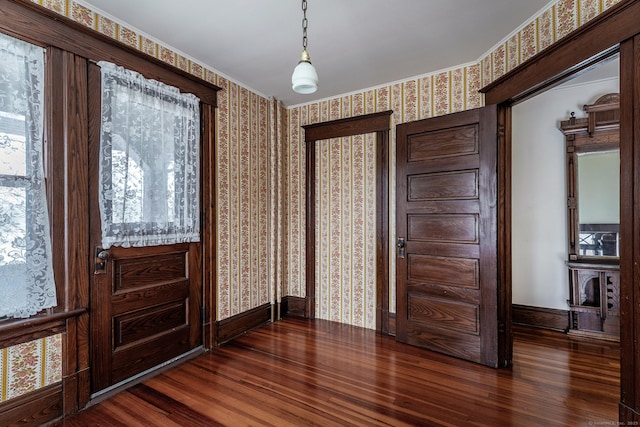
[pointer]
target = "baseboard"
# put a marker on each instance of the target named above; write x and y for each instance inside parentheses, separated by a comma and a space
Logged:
(33, 409)
(237, 325)
(111, 391)
(293, 306)
(540, 317)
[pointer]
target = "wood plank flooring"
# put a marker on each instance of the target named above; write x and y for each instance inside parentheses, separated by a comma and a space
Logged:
(300, 372)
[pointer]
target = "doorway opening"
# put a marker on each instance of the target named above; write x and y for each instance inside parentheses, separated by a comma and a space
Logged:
(540, 228)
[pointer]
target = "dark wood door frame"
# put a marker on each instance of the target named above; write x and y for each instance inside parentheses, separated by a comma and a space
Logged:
(616, 29)
(370, 123)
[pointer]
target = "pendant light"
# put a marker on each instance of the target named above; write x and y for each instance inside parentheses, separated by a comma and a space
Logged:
(304, 79)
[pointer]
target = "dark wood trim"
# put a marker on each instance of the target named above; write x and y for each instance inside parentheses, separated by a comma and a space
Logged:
(504, 260)
(592, 42)
(293, 306)
(310, 235)
(36, 24)
(491, 306)
(392, 324)
(99, 360)
(76, 391)
(13, 332)
(66, 136)
(382, 229)
(374, 122)
(629, 230)
(541, 317)
(33, 409)
(209, 225)
(237, 325)
(369, 123)
(195, 300)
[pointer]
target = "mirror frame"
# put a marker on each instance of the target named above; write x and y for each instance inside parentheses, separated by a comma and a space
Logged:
(599, 131)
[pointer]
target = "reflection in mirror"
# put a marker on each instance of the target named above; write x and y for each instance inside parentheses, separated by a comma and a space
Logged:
(599, 203)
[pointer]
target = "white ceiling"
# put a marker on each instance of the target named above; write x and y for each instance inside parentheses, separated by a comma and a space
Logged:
(354, 44)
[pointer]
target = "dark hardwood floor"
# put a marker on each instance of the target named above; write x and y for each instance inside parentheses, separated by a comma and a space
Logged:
(300, 372)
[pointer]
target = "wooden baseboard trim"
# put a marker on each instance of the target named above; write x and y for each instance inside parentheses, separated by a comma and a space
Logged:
(293, 306)
(237, 325)
(540, 317)
(143, 376)
(33, 409)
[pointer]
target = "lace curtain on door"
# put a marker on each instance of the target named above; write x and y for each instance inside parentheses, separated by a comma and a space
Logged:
(149, 161)
(26, 272)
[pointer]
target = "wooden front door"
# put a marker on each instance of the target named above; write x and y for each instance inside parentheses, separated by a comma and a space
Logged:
(447, 287)
(145, 303)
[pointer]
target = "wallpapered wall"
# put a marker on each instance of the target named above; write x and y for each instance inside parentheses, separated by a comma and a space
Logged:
(244, 205)
(29, 366)
(346, 230)
(261, 233)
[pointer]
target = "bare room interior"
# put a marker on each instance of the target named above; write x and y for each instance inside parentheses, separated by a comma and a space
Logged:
(319, 212)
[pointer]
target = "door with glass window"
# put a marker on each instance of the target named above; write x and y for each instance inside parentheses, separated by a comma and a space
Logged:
(145, 297)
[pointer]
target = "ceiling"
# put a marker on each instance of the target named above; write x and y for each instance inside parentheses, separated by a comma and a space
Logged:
(354, 44)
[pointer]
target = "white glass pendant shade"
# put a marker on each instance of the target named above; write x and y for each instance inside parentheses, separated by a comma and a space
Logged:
(305, 78)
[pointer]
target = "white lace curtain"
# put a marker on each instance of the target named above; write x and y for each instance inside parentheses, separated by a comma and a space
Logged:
(149, 161)
(26, 272)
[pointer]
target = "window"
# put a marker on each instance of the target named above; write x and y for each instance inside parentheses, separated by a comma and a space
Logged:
(26, 272)
(149, 161)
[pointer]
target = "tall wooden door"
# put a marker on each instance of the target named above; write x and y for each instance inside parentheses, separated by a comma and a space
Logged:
(447, 287)
(145, 303)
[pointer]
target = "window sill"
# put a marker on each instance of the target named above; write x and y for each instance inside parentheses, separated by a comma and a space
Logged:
(17, 331)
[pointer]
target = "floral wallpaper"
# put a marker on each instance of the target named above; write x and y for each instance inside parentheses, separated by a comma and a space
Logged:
(244, 203)
(260, 178)
(540, 32)
(29, 366)
(346, 230)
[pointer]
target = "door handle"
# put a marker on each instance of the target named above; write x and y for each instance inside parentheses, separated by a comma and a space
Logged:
(401, 247)
(102, 255)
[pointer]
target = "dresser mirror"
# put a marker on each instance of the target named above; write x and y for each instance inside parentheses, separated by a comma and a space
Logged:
(593, 219)
(598, 197)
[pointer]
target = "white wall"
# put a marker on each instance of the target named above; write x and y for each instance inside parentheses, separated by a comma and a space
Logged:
(539, 237)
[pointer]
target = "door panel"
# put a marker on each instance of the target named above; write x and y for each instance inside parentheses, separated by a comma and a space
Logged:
(443, 186)
(447, 228)
(452, 228)
(145, 302)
